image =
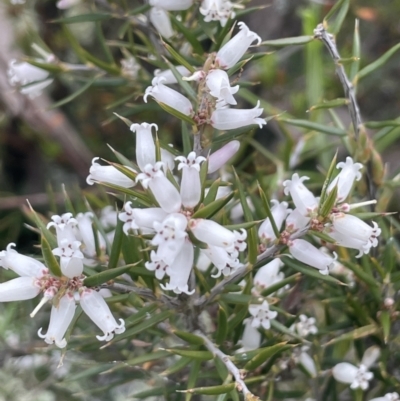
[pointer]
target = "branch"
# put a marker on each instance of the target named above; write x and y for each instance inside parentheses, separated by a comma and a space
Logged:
(236, 373)
(329, 41)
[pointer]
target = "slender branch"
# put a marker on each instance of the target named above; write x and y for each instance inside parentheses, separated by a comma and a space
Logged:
(329, 41)
(236, 373)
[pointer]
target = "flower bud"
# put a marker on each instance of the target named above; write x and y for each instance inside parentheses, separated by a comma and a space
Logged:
(221, 156)
(160, 20)
(302, 197)
(169, 75)
(145, 147)
(108, 174)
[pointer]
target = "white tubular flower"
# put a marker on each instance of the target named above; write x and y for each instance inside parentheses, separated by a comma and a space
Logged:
(108, 174)
(261, 315)
(345, 179)
(71, 258)
(163, 190)
(251, 338)
(86, 234)
(94, 305)
(217, 10)
(234, 49)
(217, 82)
(349, 374)
(24, 266)
(35, 89)
(268, 275)
(310, 255)
(190, 184)
(296, 221)
(226, 119)
(160, 20)
(279, 212)
(168, 96)
(170, 236)
(169, 75)
(65, 227)
(180, 269)
(303, 198)
(172, 5)
(156, 265)
(65, 4)
(301, 357)
(212, 233)
(60, 318)
(168, 159)
(305, 326)
(145, 147)
(221, 156)
(351, 231)
(388, 397)
(19, 289)
(222, 260)
(371, 355)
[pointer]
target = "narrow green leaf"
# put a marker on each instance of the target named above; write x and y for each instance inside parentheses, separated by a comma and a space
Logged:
(222, 326)
(239, 299)
(178, 58)
(385, 320)
(377, 63)
(200, 355)
(49, 259)
(188, 34)
(328, 104)
(74, 95)
(329, 202)
(281, 284)
(323, 236)
(266, 353)
(52, 68)
(212, 208)
(193, 376)
(360, 332)
(186, 139)
(389, 255)
(213, 390)
(341, 15)
(212, 192)
(325, 129)
(268, 211)
(176, 113)
(332, 11)
(92, 17)
(116, 245)
(177, 366)
(355, 65)
(382, 124)
(104, 276)
(189, 337)
(327, 181)
(139, 196)
(296, 40)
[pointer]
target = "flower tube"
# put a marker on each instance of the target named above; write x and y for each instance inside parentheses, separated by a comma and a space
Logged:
(160, 20)
(108, 174)
(217, 10)
(169, 75)
(172, 5)
(19, 289)
(279, 212)
(145, 147)
(217, 82)
(347, 373)
(221, 156)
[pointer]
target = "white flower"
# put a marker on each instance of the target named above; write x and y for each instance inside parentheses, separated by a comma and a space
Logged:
(160, 20)
(108, 217)
(60, 318)
(86, 234)
(217, 82)
(305, 326)
(279, 212)
(17, 1)
(301, 357)
(108, 174)
(170, 236)
(31, 79)
(65, 227)
(225, 119)
(310, 255)
(157, 265)
(145, 147)
(221, 156)
(349, 374)
(94, 305)
(251, 338)
(179, 270)
(388, 397)
(262, 315)
(169, 75)
(302, 197)
(163, 190)
(190, 188)
(172, 5)
(168, 96)
(71, 258)
(345, 179)
(64, 4)
(217, 10)
(268, 275)
(225, 262)
(296, 221)
(351, 232)
(19, 289)
(23, 265)
(235, 48)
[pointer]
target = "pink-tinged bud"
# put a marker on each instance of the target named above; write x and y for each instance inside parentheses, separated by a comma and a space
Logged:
(160, 20)
(94, 305)
(60, 318)
(169, 75)
(221, 156)
(212, 233)
(310, 255)
(179, 270)
(190, 184)
(217, 82)
(108, 174)
(172, 5)
(163, 190)
(226, 119)
(145, 147)
(302, 197)
(168, 96)
(22, 265)
(279, 212)
(234, 49)
(345, 179)
(19, 289)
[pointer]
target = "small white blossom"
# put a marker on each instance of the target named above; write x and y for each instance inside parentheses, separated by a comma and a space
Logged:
(279, 212)
(347, 373)
(157, 265)
(301, 356)
(296, 221)
(145, 147)
(226, 119)
(251, 338)
(225, 262)
(217, 82)
(388, 397)
(71, 258)
(261, 315)
(267, 276)
(217, 10)
(305, 326)
(160, 20)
